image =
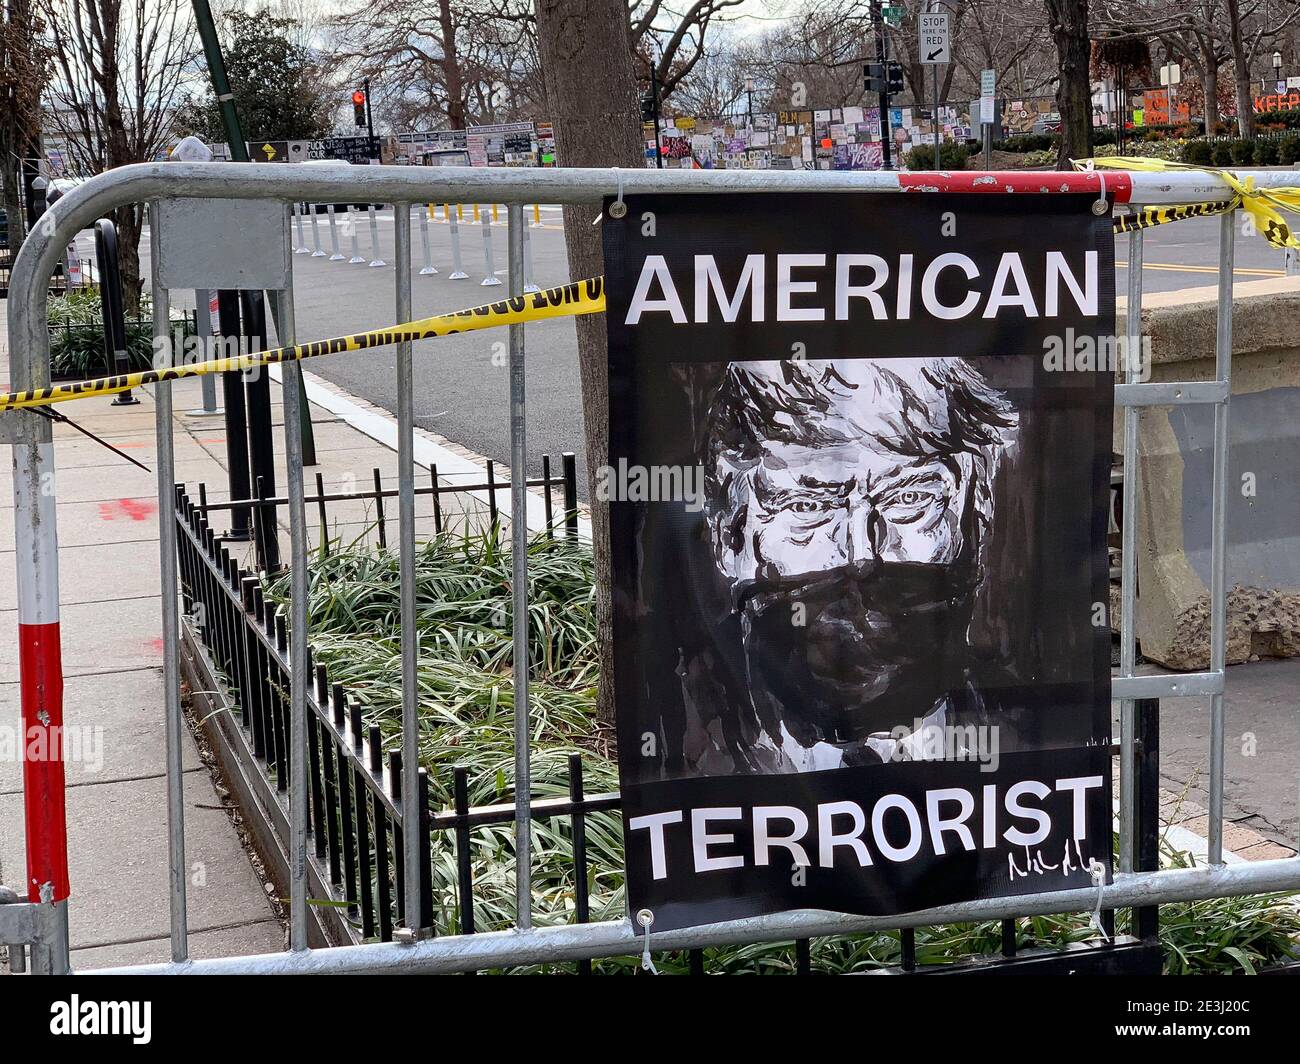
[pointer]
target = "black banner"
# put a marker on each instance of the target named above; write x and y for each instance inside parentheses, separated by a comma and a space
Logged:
(858, 476)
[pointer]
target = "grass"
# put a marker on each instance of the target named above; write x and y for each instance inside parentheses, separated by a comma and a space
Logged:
(463, 617)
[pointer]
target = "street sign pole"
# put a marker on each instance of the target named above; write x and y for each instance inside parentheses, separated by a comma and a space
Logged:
(938, 126)
(932, 31)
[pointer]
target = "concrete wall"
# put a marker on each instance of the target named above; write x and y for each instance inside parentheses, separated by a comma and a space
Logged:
(1174, 488)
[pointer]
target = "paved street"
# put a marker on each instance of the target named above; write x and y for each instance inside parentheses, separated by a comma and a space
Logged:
(461, 395)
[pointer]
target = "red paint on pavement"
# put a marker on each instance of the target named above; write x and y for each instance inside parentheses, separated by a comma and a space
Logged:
(133, 509)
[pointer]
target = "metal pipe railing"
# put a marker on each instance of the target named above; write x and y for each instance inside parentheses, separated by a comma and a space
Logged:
(402, 186)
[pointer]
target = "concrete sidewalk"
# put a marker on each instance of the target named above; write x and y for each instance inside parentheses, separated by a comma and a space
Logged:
(112, 655)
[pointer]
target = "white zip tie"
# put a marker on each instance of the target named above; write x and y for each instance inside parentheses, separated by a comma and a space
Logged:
(1098, 872)
(617, 209)
(645, 918)
(1100, 207)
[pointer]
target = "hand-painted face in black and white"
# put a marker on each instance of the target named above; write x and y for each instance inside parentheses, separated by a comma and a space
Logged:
(846, 504)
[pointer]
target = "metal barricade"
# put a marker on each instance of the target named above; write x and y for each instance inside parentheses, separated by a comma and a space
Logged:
(41, 921)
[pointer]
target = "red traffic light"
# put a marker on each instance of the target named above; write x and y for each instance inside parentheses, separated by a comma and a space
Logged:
(359, 98)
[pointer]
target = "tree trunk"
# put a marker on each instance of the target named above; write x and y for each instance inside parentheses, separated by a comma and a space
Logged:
(453, 82)
(20, 115)
(1068, 22)
(1241, 72)
(591, 94)
(1210, 86)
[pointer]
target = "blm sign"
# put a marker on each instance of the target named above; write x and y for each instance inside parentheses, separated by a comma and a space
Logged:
(858, 506)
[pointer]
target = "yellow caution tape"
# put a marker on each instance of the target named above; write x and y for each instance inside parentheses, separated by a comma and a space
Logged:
(1148, 217)
(577, 297)
(1262, 205)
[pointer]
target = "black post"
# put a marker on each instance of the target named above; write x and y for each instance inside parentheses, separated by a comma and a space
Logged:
(110, 302)
(1146, 830)
(232, 390)
(370, 123)
(570, 461)
(882, 57)
(654, 110)
(261, 439)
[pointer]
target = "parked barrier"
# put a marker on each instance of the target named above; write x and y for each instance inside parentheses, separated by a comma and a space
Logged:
(42, 920)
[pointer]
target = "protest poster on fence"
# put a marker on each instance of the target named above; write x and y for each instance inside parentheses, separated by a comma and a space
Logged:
(858, 477)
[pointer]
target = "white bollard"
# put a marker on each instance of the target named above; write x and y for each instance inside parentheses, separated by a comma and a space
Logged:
(337, 255)
(374, 238)
(429, 267)
(302, 248)
(489, 273)
(457, 270)
(352, 232)
(529, 286)
(315, 233)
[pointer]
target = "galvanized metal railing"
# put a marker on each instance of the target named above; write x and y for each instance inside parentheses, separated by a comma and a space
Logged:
(42, 921)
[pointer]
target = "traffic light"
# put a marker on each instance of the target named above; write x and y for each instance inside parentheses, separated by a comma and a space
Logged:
(359, 106)
(647, 108)
(883, 77)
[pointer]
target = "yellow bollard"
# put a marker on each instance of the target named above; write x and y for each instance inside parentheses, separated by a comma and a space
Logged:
(476, 212)
(494, 214)
(537, 214)
(460, 212)
(433, 214)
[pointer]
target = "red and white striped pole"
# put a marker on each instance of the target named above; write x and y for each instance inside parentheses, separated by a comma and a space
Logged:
(41, 674)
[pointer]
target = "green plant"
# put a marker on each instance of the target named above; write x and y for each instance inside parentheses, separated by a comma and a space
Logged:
(1242, 151)
(463, 620)
(1266, 150)
(1198, 153)
(1288, 149)
(1221, 154)
(952, 156)
(77, 336)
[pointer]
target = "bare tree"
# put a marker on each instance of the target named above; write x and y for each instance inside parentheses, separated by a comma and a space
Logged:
(673, 38)
(118, 69)
(23, 71)
(1067, 21)
(445, 63)
(1252, 26)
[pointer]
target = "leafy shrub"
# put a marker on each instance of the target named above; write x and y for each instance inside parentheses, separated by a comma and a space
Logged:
(1242, 151)
(952, 156)
(77, 336)
(1221, 154)
(1265, 152)
(1288, 149)
(1198, 153)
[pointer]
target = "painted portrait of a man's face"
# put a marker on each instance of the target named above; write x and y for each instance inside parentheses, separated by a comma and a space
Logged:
(847, 502)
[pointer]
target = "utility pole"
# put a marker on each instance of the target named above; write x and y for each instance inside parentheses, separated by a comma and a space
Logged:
(882, 57)
(370, 121)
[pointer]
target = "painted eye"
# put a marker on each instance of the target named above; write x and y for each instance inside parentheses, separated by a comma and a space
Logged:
(909, 498)
(804, 506)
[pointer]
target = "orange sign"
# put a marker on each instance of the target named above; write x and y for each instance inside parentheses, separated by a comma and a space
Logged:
(1287, 101)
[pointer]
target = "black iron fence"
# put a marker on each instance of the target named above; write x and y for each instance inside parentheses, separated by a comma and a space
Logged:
(355, 789)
